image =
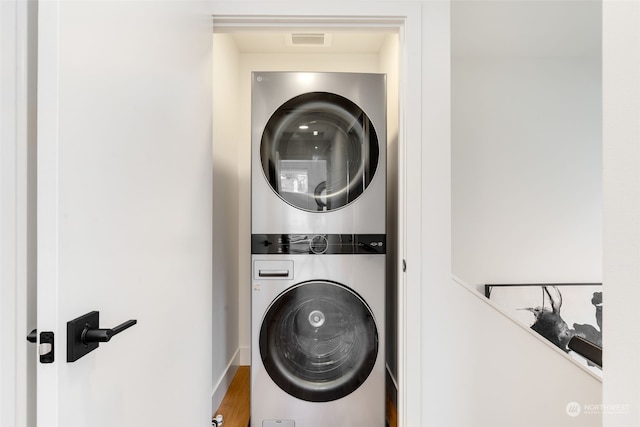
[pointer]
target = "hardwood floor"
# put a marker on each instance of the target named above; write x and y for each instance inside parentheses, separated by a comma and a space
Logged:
(235, 407)
(392, 413)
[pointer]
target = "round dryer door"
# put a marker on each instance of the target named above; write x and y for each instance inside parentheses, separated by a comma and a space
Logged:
(318, 341)
(319, 151)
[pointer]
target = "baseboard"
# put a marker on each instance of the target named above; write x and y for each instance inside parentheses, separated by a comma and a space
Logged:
(224, 382)
(245, 356)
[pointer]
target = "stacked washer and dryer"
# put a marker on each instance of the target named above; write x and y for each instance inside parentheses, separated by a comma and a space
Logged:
(318, 205)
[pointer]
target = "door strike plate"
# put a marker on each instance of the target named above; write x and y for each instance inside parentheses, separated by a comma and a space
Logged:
(46, 348)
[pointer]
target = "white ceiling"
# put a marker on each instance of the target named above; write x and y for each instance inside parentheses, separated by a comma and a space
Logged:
(478, 28)
(273, 41)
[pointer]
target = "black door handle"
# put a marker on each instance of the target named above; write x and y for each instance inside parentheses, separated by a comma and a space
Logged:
(84, 334)
(33, 336)
(103, 335)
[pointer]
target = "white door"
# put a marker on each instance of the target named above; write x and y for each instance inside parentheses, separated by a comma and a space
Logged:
(124, 211)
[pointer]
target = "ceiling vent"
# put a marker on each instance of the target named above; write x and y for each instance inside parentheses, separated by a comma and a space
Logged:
(308, 39)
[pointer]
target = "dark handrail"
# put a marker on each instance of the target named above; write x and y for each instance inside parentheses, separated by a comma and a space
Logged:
(587, 349)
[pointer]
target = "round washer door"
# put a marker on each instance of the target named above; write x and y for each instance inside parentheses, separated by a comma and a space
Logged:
(319, 151)
(318, 341)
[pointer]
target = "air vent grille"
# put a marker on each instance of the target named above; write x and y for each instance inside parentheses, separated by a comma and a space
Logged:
(309, 39)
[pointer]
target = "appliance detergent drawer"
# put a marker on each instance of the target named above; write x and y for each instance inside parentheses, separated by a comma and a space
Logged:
(274, 270)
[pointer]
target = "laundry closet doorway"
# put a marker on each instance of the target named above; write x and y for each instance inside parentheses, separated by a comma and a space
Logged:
(276, 43)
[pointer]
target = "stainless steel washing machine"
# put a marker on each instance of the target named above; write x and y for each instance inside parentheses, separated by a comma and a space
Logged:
(318, 153)
(317, 349)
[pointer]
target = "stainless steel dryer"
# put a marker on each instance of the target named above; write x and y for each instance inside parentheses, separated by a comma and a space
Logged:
(318, 152)
(317, 349)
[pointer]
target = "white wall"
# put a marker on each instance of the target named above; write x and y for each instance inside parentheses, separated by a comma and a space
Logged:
(480, 369)
(621, 91)
(226, 143)
(526, 169)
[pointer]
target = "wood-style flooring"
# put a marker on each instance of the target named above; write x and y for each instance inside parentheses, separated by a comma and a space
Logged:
(235, 407)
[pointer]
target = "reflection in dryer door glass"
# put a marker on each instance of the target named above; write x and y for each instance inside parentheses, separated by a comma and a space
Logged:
(295, 176)
(319, 151)
(293, 181)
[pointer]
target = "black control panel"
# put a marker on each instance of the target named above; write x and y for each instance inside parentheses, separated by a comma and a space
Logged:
(318, 244)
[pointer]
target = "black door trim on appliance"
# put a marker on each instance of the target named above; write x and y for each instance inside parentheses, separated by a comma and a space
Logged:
(318, 341)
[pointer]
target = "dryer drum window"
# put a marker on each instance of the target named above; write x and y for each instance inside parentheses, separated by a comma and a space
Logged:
(319, 151)
(318, 341)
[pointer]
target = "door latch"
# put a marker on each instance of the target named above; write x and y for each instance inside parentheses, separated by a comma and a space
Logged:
(45, 348)
(84, 334)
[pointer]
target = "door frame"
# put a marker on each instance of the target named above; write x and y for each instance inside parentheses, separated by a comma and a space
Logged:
(407, 19)
(17, 209)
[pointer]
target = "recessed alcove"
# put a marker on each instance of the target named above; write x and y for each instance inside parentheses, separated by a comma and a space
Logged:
(236, 54)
